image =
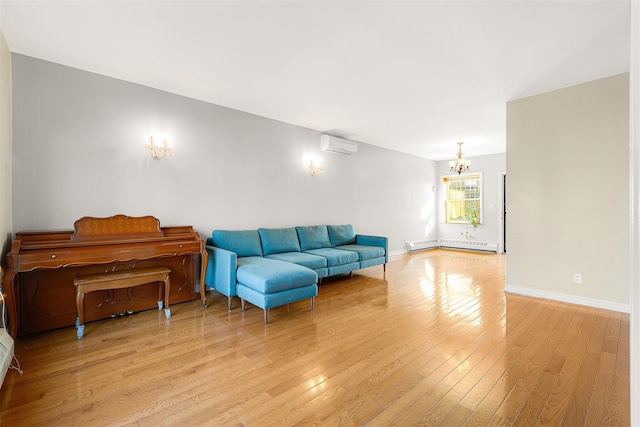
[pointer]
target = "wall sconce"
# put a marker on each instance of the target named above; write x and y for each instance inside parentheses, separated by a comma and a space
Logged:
(314, 170)
(158, 152)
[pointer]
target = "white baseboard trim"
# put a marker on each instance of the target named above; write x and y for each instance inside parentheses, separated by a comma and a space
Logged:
(397, 253)
(571, 299)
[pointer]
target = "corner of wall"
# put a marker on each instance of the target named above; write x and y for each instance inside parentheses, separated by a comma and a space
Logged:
(6, 223)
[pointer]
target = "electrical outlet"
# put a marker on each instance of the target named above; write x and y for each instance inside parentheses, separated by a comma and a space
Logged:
(577, 278)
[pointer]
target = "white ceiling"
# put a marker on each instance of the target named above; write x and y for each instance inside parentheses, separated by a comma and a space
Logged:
(411, 76)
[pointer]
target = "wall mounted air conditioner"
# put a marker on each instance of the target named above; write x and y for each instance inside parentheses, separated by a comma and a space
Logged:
(337, 145)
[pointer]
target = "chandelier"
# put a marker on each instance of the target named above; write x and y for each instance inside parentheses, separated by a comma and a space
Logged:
(158, 152)
(460, 165)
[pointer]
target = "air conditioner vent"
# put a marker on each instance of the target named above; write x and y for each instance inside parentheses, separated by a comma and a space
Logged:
(334, 144)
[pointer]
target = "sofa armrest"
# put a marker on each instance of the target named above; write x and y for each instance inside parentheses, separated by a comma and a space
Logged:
(379, 241)
(221, 270)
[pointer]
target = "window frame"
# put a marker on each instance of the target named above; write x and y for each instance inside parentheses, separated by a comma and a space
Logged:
(446, 180)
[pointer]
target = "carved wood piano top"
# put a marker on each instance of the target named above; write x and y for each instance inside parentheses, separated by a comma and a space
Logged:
(101, 240)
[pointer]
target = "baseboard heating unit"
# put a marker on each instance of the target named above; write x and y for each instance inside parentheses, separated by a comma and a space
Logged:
(6, 353)
(421, 245)
(468, 244)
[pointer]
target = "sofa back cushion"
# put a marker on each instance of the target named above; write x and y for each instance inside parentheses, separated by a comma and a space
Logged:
(341, 234)
(313, 237)
(279, 240)
(242, 242)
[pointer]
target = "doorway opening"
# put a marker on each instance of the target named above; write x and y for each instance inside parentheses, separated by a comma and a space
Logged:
(502, 245)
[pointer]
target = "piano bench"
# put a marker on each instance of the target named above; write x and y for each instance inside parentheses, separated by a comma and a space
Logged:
(118, 280)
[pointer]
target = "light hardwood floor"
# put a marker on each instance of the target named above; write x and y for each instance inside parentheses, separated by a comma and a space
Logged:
(434, 342)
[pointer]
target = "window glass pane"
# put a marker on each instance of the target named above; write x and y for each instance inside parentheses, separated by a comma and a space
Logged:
(462, 202)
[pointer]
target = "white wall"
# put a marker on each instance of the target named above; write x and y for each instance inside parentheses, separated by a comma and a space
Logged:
(78, 150)
(5, 148)
(492, 168)
(568, 193)
(634, 212)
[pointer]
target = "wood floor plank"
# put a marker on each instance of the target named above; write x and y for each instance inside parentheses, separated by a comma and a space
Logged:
(493, 362)
(559, 397)
(449, 391)
(433, 341)
(621, 382)
(485, 379)
(503, 388)
(576, 412)
(536, 360)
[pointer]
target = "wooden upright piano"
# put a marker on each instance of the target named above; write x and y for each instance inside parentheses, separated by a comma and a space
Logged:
(41, 267)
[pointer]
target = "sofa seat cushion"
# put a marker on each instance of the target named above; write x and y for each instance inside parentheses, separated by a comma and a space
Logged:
(313, 237)
(365, 252)
(268, 275)
(306, 260)
(335, 257)
(279, 240)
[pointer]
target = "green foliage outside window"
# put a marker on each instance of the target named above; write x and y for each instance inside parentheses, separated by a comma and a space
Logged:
(473, 217)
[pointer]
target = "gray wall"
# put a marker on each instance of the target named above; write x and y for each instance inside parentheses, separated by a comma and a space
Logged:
(78, 150)
(5, 149)
(568, 193)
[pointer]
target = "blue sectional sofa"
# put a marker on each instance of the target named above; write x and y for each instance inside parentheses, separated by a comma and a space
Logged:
(269, 267)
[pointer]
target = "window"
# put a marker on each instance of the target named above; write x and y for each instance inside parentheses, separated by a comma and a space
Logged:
(462, 199)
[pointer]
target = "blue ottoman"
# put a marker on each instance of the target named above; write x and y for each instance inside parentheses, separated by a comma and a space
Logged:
(266, 283)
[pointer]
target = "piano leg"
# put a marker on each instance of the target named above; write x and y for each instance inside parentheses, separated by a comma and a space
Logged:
(167, 289)
(204, 259)
(80, 308)
(203, 294)
(164, 303)
(79, 329)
